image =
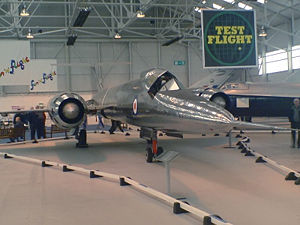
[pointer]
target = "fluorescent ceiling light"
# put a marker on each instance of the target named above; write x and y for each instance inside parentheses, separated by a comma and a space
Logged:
(203, 1)
(71, 40)
(244, 6)
(216, 6)
(82, 16)
(197, 9)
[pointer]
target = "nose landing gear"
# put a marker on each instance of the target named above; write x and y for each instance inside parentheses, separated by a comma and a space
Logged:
(152, 149)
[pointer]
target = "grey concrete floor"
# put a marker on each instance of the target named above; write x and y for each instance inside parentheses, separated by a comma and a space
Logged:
(213, 178)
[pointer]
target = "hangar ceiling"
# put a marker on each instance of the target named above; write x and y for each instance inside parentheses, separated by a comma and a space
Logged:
(165, 19)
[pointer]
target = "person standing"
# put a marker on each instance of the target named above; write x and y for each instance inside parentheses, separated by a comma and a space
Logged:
(100, 125)
(41, 121)
(18, 125)
(22, 116)
(33, 123)
(294, 118)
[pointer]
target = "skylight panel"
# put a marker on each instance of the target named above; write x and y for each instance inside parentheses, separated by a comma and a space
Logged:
(244, 6)
(229, 1)
(276, 61)
(261, 1)
(296, 57)
(197, 9)
(216, 6)
(260, 66)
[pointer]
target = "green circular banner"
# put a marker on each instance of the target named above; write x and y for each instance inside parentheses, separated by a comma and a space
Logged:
(229, 38)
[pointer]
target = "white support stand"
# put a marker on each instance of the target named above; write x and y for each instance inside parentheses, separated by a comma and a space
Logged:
(166, 158)
(168, 177)
(229, 140)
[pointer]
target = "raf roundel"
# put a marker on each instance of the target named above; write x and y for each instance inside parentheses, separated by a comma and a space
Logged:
(134, 106)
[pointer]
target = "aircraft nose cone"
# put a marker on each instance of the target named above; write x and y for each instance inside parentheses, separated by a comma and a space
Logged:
(71, 111)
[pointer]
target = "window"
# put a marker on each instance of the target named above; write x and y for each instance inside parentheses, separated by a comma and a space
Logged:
(260, 66)
(172, 85)
(197, 9)
(276, 61)
(296, 57)
(165, 82)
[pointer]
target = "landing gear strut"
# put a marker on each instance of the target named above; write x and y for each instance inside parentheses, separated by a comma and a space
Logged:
(152, 150)
(149, 155)
(81, 139)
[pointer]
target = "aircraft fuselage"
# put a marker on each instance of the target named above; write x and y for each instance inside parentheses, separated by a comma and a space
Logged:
(177, 111)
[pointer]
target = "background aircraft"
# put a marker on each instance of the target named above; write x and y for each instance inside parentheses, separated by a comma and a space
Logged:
(253, 100)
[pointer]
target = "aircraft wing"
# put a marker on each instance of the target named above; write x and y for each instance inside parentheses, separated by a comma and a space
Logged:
(23, 111)
(241, 125)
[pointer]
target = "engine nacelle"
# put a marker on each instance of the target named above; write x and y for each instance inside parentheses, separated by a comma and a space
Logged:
(67, 110)
(216, 96)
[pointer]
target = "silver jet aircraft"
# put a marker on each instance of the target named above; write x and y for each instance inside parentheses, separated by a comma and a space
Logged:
(156, 102)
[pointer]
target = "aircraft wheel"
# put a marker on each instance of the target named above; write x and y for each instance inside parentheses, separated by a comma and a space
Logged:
(159, 150)
(149, 155)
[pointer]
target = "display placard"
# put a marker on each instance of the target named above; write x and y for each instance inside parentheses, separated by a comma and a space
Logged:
(242, 102)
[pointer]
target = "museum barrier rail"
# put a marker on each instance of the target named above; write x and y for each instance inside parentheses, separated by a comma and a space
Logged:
(55, 129)
(178, 206)
(12, 133)
(291, 174)
(39, 140)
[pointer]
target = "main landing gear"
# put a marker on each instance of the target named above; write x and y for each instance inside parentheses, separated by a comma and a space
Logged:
(152, 149)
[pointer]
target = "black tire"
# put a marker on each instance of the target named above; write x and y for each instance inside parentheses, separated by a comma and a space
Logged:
(160, 150)
(149, 155)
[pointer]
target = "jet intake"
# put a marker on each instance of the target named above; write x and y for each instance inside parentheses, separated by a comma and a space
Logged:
(216, 96)
(67, 110)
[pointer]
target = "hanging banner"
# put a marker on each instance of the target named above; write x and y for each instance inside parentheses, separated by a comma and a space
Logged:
(17, 68)
(229, 38)
(14, 58)
(42, 75)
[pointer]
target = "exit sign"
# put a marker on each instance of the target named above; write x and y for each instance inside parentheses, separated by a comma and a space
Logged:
(179, 62)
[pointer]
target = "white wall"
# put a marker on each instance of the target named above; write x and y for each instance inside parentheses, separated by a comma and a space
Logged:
(87, 66)
(106, 64)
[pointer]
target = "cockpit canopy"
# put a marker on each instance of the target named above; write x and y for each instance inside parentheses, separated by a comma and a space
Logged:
(161, 80)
